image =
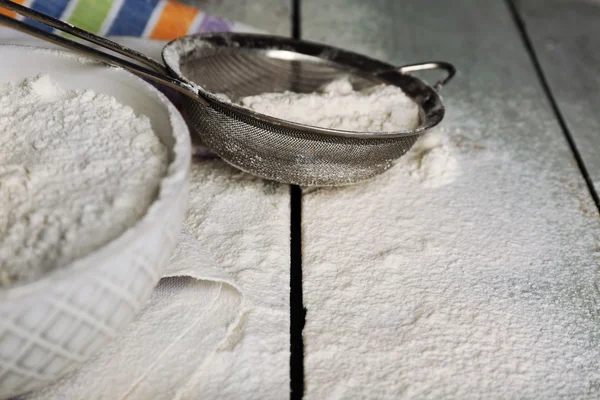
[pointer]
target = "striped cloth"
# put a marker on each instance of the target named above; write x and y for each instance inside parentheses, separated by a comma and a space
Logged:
(153, 19)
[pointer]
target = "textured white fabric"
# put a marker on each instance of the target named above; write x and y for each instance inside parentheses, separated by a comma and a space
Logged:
(187, 318)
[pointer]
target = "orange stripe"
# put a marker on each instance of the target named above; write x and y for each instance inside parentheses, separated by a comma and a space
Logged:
(11, 14)
(175, 21)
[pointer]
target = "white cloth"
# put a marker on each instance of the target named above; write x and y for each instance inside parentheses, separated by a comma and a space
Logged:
(187, 319)
(199, 337)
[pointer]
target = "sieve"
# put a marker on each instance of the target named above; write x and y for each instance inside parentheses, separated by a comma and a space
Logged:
(205, 66)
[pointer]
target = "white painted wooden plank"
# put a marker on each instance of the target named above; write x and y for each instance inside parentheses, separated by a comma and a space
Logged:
(566, 38)
(246, 229)
(245, 225)
(478, 284)
(248, 234)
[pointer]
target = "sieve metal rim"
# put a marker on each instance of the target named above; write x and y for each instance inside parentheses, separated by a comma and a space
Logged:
(430, 104)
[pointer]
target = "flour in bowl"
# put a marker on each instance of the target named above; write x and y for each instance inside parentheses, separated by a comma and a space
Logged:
(383, 108)
(77, 169)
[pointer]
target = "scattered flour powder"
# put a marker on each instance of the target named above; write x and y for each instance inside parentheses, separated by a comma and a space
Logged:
(382, 108)
(432, 160)
(468, 271)
(76, 170)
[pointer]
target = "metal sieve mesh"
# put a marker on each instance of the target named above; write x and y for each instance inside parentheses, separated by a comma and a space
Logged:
(241, 65)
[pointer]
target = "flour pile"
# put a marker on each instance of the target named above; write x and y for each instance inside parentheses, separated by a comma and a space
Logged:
(383, 108)
(432, 160)
(76, 170)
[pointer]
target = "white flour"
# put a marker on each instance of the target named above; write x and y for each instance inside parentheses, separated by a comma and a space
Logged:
(383, 108)
(76, 170)
(432, 160)
(483, 288)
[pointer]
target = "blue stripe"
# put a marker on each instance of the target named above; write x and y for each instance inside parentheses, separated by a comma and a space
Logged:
(132, 18)
(53, 8)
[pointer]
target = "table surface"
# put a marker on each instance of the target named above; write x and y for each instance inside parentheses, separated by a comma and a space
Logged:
(527, 85)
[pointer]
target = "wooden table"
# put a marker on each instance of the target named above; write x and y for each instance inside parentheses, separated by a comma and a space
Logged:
(528, 74)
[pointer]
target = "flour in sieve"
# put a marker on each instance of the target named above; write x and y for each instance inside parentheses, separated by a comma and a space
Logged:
(383, 108)
(76, 170)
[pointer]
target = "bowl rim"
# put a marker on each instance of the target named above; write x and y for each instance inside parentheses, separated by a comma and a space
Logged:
(170, 187)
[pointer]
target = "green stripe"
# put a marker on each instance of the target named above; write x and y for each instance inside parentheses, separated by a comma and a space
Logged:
(90, 14)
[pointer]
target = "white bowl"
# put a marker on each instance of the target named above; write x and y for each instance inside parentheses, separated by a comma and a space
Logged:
(51, 325)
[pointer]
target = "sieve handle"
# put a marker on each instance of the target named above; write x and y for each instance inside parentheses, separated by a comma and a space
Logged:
(151, 69)
(449, 68)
